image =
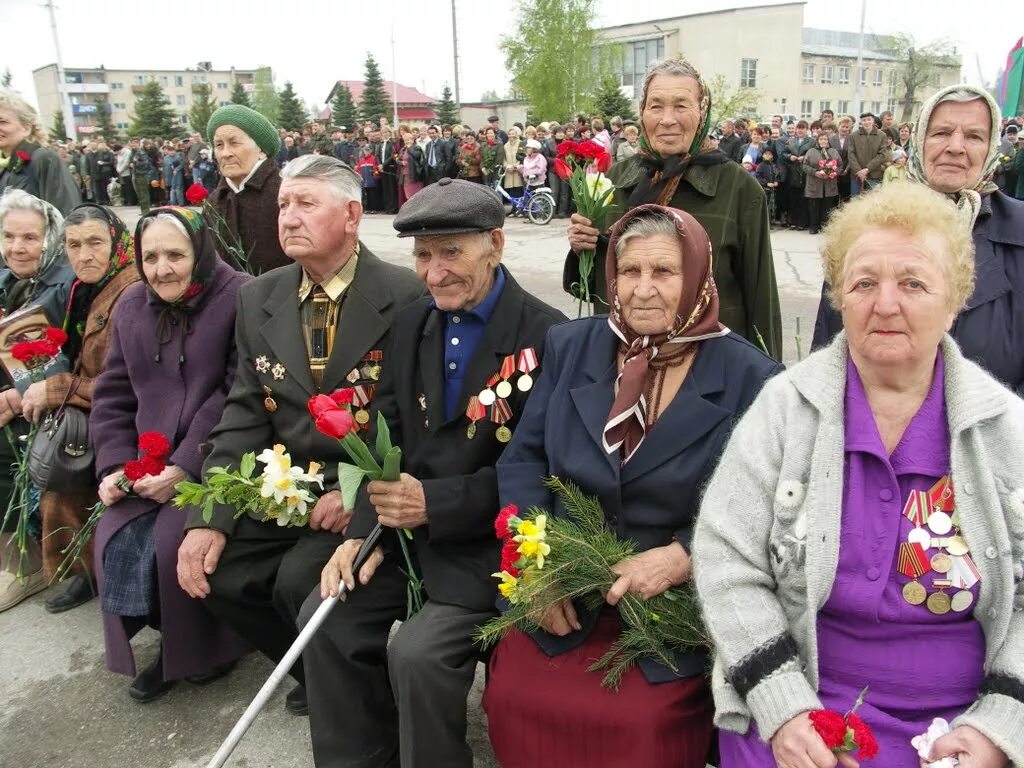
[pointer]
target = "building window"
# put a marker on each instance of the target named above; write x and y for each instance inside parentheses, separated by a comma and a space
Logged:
(805, 109)
(181, 101)
(876, 107)
(844, 75)
(823, 105)
(637, 59)
(179, 81)
(222, 86)
(843, 108)
(748, 73)
(114, 86)
(139, 80)
(183, 119)
(163, 81)
(863, 75)
(890, 105)
(198, 79)
(878, 77)
(224, 103)
(122, 126)
(120, 105)
(826, 73)
(808, 73)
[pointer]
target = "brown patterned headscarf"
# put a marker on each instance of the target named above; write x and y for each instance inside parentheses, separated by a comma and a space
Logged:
(696, 320)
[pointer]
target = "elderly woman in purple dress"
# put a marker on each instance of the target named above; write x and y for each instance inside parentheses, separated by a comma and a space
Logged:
(865, 526)
(170, 366)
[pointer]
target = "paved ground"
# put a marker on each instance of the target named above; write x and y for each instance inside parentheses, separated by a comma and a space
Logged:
(62, 709)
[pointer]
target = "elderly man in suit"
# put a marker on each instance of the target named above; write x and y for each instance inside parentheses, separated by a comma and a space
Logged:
(463, 364)
(315, 326)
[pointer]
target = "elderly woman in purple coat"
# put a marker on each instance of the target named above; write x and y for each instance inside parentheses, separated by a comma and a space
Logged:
(170, 366)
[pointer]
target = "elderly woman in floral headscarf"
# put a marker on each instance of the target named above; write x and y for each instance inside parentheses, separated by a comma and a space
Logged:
(101, 253)
(954, 150)
(677, 166)
(635, 408)
(171, 363)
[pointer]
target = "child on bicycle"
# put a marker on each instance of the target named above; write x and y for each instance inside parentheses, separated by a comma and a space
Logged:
(534, 168)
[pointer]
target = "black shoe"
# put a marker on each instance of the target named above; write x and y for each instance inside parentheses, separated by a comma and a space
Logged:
(295, 702)
(215, 674)
(149, 684)
(79, 590)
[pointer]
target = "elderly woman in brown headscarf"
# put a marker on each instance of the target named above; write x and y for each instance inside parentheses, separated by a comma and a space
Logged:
(634, 408)
(678, 166)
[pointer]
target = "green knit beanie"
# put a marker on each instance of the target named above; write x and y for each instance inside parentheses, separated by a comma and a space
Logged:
(251, 122)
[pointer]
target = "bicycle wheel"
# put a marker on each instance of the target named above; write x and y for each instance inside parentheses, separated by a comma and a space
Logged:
(542, 208)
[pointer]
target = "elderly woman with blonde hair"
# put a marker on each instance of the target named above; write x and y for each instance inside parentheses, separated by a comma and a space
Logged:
(25, 160)
(865, 526)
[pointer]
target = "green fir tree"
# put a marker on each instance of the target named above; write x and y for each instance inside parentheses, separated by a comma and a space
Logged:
(609, 101)
(343, 108)
(153, 116)
(375, 103)
(59, 131)
(291, 114)
(446, 109)
(264, 97)
(203, 106)
(105, 126)
(239, 96)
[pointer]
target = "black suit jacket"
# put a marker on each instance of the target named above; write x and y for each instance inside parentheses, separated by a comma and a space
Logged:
(457, 549)
(442, 156)
(385, 156)
(267, 326)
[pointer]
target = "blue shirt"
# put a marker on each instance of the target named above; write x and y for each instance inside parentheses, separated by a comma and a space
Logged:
(462, 333)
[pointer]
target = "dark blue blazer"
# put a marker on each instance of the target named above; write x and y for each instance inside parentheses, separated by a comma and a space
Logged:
(655, 497)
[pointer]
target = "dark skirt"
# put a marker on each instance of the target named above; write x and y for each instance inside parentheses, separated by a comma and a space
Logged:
(549, 710)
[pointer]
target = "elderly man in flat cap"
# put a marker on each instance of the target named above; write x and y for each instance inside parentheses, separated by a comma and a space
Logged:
(463, 363)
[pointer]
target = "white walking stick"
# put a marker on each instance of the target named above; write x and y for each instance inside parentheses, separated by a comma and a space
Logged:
(281, 670)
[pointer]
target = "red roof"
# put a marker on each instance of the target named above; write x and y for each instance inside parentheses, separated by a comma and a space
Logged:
(406, 95)
(415, 113)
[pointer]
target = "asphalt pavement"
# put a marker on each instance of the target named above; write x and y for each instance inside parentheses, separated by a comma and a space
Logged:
(61, 708)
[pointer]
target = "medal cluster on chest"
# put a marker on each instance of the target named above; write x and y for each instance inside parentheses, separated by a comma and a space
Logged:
(492, 400)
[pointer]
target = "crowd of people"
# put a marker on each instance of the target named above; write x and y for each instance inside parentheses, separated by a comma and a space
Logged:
(854, 521)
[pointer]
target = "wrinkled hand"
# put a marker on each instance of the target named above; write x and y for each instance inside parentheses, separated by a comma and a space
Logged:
(109, 493)
(862, 174)
(971, 747)
(33, 402)
(650, 573)
(399, 504)
(797, 745)
(198, 556)
(560, 619)
(10, 405)
(582, 234)
(339, 568)
(159, 488)
(330, 514)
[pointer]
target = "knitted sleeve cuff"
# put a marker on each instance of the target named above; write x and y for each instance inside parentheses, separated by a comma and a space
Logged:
(1000, 717)
(779, 698)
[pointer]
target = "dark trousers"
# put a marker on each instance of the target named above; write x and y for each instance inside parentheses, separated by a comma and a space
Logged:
(262, 578)
(141, 184)
(844, 187)
(99, 189)
(389, 193)
(377, 706)
(128, 191)
(797, 207)
(818, 209)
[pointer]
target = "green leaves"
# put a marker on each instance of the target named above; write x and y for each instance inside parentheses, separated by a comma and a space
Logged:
(248, 465)
(350, 477)
(383, 436)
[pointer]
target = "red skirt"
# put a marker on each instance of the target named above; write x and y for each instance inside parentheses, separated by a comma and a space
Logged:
(544, 710)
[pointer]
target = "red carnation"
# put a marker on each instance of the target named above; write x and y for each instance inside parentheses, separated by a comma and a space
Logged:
(342, 396)
(154, 444)
(831, 726)
(46, 348)
(23, 155)
(337, 423)
(867, 746)
(319, 404)
(562, 169)
(152, 465)
(509, 556)
(196, 194)
(603, 162)
(501, 522)
(56, 336)
(134, 470)
(24, 351)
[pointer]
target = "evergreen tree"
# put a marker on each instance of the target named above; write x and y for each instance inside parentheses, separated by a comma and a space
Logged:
(447, 111)
(343, 108)
(264, 98)
(153, 114)
(106, 125)
(203, 106)
(239, 96)
(291, 114)
(375, 103)
(609, 101)
(59, 132)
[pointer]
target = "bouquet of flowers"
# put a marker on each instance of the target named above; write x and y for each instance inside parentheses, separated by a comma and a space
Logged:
(583, 165)
(547, 559)
(332, 415)
(831, 169)
(845, 733)
(281, 492)
(154, 449)
(35, 355)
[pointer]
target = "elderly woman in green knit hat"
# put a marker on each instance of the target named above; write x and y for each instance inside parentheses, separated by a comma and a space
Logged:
(243, 208)
(677, 166)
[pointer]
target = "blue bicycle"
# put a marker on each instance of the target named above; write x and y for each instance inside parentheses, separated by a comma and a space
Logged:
(536, 203)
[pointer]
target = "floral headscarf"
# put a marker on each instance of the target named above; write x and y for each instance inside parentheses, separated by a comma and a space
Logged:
(968, 200)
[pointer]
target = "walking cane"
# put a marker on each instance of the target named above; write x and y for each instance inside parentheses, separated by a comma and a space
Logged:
(281, 670)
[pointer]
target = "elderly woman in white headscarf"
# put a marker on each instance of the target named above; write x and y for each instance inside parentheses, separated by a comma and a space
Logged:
(35, 272)
(954, 150)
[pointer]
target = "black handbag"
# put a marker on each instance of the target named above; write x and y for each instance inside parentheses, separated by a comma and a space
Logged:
(61, 457)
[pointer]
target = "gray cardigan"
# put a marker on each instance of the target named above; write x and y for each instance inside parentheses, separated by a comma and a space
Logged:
(781, 477)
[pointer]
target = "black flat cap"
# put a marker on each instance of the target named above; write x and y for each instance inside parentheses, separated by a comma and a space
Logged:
(492, 119)
(450, 207)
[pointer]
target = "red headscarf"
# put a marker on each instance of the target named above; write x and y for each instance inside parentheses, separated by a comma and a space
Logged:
(696, 320)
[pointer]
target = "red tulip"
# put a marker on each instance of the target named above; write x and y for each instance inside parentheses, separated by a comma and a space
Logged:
(318, 404)
(562, 169)
(335, 423)
(603, 162)
(342, 396)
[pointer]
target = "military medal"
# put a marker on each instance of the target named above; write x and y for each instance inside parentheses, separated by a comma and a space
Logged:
(939, 603)
(361, 396)
(962, 601)
(914, 593)
(913, 563)
(422, 400)
(262, 364)
(941, 563)
(278, 372)
(268, 401)
(939, 523)
(956, 546)
(372, 368)
(487, 395)
(508, 367)
(527, 363)
(475, 410)
(353, 376)
(501, 413)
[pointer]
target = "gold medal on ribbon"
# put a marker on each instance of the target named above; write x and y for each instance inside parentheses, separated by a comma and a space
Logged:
(939, 603)
(268, 402)
(362, 416)
(941, 563)
(475, 410)
(504, 434)
(914, 593)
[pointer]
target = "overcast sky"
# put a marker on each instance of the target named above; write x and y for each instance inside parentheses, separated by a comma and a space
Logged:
(315, 42)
